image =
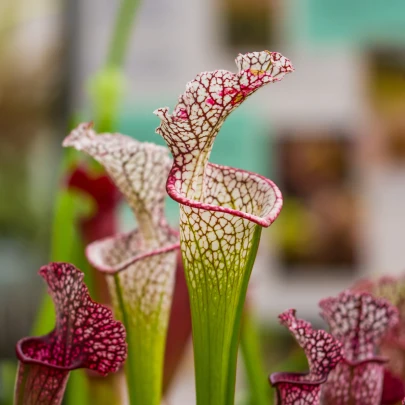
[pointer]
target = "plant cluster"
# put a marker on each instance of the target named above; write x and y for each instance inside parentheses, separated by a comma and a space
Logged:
(360, 360)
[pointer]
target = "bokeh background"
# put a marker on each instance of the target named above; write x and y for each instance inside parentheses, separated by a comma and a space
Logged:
(331, 135)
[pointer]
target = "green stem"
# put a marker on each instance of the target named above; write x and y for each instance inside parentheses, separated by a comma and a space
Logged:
(216, 318)
(8, 369)
(146, 343)
(65, 242)
(108, 84)
(259, 387)
(129, 363)
(122, 31)
(237, 326)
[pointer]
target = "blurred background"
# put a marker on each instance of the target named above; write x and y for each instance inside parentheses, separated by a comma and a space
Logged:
(331, 135)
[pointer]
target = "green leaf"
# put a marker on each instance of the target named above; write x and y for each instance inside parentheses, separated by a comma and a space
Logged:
(8, 372)
(106, 89)
(236, 330)
(259, 388)
(66, 246)
(77, 390)
(122, 33)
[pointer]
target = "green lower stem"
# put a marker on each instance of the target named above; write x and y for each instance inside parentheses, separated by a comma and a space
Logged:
(144, 364)
(129, 363)
(101, 390)
(8, 370)
(259, 388)
(122, 31)
(78, 383)
(216, 320)
(236, 330)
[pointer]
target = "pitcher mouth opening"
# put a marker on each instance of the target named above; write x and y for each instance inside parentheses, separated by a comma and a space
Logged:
(294, 378)
(97, 251)
(265, 219)
(29, 360)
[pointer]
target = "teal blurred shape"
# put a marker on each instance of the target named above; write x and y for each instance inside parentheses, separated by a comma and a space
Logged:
(353, 22)
(244, 141)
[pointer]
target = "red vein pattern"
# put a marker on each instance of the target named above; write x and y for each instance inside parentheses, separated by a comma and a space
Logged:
(323, 352)
(220, 207)
(393, 343)
(393, 290)
(192, 128)
(85, 336)
(359, 321)
(138, 169)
